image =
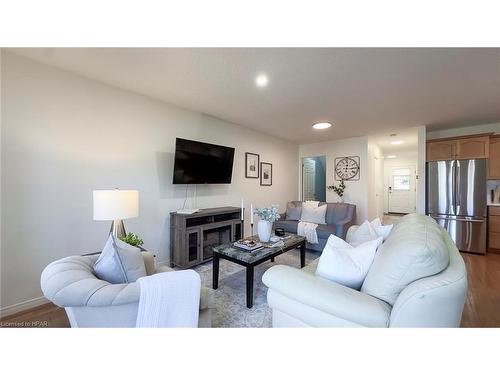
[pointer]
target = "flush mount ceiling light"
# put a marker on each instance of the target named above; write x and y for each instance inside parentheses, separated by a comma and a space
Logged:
(397, 142)
(261, 80)
(322, 125)
(390, 157)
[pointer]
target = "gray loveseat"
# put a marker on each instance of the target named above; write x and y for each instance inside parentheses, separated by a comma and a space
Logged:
(339, 217)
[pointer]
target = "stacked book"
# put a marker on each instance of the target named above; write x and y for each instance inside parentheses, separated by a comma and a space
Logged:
(248, 245)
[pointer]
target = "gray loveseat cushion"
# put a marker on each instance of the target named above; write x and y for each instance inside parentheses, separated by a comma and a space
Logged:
(288, 225)
(293, 210)
(325, 230)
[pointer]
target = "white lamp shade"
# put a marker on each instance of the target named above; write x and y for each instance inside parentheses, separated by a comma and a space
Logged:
(115, 204)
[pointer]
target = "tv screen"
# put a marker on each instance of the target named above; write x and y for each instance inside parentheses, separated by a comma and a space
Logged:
(202, 163)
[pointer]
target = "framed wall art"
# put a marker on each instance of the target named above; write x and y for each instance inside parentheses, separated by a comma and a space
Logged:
(251, 165)
(266, 174)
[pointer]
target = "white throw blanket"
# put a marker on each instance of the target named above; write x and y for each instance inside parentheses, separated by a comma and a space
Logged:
(169, 299)
(308, 230)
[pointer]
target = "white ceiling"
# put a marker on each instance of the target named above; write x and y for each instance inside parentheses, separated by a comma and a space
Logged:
(362, 91)
(408, 136)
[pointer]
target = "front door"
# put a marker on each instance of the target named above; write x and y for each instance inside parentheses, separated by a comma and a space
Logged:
(402, 190)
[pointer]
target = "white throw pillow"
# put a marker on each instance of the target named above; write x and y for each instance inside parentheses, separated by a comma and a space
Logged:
(363, 233)
(314, 215)
(381, 230)
(119, 262)
(311, 203)
(345, 264)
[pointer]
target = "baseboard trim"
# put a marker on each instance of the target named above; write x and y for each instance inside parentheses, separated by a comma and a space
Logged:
(22, 306)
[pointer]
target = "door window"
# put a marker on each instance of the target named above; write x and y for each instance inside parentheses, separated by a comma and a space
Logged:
(401, 179)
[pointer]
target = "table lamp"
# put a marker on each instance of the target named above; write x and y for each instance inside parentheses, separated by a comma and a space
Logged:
(116, 205)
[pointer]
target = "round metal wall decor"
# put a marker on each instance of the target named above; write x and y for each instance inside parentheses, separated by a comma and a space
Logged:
(347, 168)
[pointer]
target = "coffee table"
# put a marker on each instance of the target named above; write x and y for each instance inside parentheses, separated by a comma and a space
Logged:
(249, 259)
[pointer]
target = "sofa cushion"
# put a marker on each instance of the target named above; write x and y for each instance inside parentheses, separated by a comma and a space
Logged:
(346, 264)
(287, 225)
(364, 233)
(325, 230)
(336, 212)
(293, 210)
(314, 215)
(119, 262)
(415, 249)
(382, 230)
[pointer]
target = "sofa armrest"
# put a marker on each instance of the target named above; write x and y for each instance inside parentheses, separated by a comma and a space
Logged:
(149, 262)
(327, 296)
(342, 227)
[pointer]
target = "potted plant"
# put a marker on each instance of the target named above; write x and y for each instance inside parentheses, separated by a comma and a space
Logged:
(132, 239)
(339, 190)
(267, 217)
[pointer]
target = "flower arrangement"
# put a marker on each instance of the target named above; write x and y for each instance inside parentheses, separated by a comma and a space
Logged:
(338, 189)
(268, 214)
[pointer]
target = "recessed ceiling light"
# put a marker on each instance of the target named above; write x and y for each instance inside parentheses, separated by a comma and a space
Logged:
(390, 157)
(261, 80)
(397, 142)
(322, 125)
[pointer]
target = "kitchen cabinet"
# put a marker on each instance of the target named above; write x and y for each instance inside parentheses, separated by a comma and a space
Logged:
(441, 150)
(494, 229)
(494, 159)
(473, 147)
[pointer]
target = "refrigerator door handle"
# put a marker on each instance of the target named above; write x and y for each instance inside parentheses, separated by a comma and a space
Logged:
(458, 219)
(457, 186)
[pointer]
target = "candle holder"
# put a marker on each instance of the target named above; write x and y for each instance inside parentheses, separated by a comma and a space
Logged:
(251, 226)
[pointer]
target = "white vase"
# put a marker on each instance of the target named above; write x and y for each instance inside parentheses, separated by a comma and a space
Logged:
(264, 229)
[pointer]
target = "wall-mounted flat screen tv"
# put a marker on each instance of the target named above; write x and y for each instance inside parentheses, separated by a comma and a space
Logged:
(202, 163)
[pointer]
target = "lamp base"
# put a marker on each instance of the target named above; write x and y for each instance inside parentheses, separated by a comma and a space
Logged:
(118, 229)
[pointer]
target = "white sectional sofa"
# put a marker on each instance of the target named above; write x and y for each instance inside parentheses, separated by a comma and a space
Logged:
(418, 279)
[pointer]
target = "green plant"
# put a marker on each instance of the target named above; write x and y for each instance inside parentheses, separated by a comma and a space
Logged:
(132, 239)
(338, 189)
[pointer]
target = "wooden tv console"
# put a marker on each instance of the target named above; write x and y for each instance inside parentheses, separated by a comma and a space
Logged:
(192, 236)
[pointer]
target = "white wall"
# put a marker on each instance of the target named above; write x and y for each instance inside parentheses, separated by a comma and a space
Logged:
(356, 191)
(375, 162)
(64, 136)
(468, 130)
(421, 159)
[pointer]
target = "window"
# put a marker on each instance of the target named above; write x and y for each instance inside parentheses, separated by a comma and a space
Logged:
(401, 179)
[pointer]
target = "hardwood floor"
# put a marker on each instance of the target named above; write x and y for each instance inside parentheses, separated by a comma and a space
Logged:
(482, 307)
(44, 316)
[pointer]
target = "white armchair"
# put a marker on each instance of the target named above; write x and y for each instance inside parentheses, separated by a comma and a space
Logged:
(91, 302)
(393, 294)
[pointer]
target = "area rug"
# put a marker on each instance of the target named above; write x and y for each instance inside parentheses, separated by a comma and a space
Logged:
(230, 298)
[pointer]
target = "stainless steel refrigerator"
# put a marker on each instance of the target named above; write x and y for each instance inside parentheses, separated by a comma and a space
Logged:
(456, 198)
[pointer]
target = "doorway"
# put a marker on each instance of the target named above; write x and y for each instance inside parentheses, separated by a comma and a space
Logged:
(314, 178)
(402, 190)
